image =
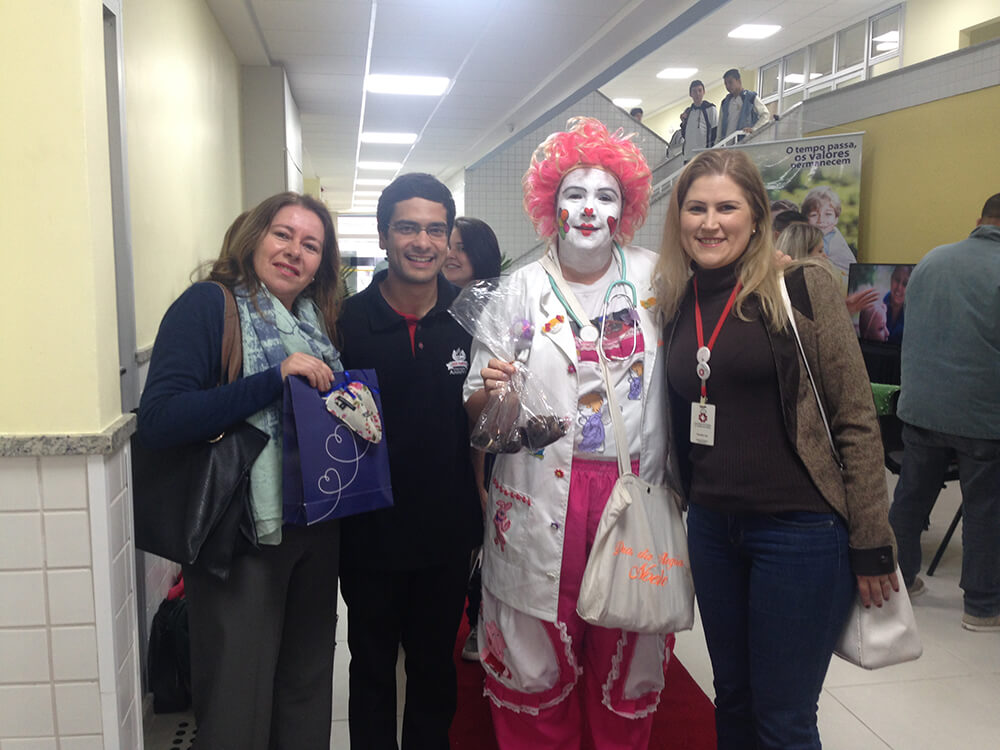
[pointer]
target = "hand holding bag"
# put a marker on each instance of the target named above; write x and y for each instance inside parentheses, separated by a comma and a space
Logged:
(638, 574)
(334, 467)
(873, 637)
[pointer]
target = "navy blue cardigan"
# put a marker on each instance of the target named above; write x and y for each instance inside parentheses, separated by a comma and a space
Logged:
(182, 401)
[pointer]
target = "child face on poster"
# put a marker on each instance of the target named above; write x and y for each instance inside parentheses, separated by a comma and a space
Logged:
(824, 215)
(872, 323)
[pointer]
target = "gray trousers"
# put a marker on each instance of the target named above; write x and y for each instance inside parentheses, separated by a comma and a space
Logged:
(262, 645)
(926, 454)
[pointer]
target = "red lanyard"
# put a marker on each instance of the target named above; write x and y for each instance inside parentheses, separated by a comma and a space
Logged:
(705, 352)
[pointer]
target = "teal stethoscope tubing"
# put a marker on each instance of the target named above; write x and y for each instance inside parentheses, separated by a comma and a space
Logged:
(622, 281)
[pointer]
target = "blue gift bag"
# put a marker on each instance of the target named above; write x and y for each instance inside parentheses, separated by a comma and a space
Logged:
(328, 471)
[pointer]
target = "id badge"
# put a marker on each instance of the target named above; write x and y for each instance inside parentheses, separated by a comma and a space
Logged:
(703, 424)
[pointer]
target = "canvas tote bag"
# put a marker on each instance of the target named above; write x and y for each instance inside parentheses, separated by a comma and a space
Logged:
(638, 574)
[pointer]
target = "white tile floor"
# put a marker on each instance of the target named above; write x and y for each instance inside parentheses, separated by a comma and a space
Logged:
(950, 697)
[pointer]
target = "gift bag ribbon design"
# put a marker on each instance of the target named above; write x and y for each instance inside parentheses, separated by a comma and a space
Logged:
(336, 462)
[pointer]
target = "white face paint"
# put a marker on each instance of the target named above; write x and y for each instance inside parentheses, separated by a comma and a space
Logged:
(588, 209)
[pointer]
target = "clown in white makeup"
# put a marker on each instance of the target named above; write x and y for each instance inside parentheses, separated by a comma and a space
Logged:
(586, 193)
(588, 210)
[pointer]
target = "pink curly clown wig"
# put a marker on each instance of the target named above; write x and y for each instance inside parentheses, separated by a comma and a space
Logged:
(587, 143)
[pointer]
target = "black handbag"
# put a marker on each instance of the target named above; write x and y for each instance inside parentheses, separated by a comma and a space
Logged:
(191, 503)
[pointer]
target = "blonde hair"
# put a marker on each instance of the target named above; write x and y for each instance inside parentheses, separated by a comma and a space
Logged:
(797, 240)
(756, 268)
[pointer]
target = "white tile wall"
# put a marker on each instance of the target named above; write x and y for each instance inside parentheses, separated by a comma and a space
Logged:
(20, 541)
(24, 656)
(71, 596)
(22, 598)
(78, 708)
(67, 539)
(19, 485)
(26, 711)
(64, 482)
(84, 742)
(63, 520)
(74, 653)
(39, 743)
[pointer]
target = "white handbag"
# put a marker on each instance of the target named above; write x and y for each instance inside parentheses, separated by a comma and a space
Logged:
(638, 574)
(873, 637)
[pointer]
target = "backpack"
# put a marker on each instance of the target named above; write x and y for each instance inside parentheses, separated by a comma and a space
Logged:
(169, 657)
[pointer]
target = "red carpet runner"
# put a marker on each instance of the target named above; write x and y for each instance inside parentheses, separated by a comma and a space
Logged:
(684, 720)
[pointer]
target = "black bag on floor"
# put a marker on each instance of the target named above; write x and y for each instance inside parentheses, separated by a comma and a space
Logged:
(169, 657)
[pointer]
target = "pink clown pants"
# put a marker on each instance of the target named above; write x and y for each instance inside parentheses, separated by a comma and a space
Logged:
(550, 684)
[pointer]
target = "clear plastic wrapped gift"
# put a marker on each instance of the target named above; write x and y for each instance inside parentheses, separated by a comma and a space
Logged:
(518, 415)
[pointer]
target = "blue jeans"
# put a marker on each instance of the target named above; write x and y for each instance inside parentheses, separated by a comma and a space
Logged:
(774, 592)
(926, 454)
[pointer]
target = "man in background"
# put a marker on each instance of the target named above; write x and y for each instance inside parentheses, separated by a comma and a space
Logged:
(699, 122)
(950, 405)
(636, 113)
(742, 109)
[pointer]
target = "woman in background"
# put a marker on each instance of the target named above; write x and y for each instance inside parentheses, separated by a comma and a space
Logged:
(262, 641)
(473, 255)
(895, 303)
(782, 533)
(473, 252)
(800, 241)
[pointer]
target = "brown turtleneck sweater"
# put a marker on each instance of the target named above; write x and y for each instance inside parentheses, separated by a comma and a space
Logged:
(753, 467)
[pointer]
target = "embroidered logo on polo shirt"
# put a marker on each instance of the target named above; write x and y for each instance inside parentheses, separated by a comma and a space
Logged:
(459, 364)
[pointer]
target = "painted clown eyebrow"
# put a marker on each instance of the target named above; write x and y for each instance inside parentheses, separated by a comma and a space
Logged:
(580, 188)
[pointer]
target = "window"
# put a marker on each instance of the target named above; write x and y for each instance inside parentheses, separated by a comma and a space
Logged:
(768, 81)
(851, 50)
(821, 58)
(885, 34)
(795, 69)
(856, 53)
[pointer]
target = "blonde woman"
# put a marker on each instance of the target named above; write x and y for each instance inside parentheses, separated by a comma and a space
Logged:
(782, 532)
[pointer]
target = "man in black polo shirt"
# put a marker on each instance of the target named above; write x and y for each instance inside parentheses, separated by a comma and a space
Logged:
(403, 570)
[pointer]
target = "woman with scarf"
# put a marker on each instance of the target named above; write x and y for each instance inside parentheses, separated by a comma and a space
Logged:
(262, 641)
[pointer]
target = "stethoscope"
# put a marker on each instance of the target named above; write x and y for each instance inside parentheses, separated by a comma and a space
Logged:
(588, 332)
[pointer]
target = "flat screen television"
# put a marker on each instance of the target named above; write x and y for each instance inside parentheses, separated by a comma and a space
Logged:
(876, 298)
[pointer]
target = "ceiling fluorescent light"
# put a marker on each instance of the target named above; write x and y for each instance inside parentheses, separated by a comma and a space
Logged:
(378, 83)
(403, 139)
(676, 73)
(367, 194)
(373, 181)
(754, 31)
(886, 46)
(889, 36)
(794, 78)
(626, 103)
(384, 166)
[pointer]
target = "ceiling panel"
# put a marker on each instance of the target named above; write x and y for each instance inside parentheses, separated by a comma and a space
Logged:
(511, 60)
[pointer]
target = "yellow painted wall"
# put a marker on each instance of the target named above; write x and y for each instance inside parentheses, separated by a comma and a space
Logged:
(57, 295)
(183, 100)
(931, 27)
(922, 185)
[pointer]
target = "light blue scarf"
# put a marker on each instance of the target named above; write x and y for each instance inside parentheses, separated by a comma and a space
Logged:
(270, 334)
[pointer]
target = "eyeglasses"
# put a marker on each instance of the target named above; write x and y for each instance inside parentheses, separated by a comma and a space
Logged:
(412, 229)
